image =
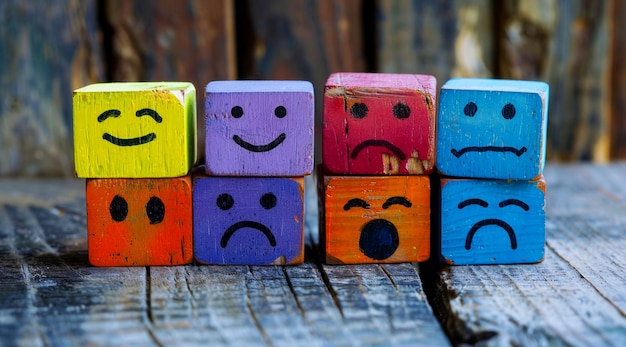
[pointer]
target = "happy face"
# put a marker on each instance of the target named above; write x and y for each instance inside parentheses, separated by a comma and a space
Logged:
(492, 129)
(379, 124)
(492, 222)
(259, 128)
(134, 130)
(241, 220)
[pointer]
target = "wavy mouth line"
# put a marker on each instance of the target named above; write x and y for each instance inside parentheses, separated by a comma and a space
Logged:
(377, 143)
(247, 224)
(259, 148)
(135, 141)
(517, 152)
(499, 222)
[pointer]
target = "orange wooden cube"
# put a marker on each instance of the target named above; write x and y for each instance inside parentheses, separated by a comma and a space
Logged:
(375, 219)
(139, 222)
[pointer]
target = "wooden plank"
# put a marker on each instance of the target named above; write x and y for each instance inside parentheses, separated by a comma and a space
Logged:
(574, 297)
(47, 51)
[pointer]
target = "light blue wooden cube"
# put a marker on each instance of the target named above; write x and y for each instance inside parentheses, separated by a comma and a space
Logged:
(492, 221)
(490, 128)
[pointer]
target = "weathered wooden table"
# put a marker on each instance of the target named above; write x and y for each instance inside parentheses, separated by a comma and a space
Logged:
(50, 296)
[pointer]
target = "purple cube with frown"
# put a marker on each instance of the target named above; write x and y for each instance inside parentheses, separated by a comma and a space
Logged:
(248, 220)
(259, 128)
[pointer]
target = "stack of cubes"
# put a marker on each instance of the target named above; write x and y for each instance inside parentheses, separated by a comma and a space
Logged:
(249, 201)
(491, 142)
(377, 152)
(136, 144)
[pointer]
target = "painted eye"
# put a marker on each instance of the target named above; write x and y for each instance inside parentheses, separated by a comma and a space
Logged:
(155, 210)
(280, 111)
(118, 208)
(358, 110)
(268, 201)
(236, 111)
(470, 109)
(508, 111)
(225, 201)
(401, 110)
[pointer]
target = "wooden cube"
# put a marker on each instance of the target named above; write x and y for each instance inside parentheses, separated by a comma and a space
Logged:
(374, 219)
(134, 130)
(248, 220)
(490, 128)
(492, 221)
(379, 124)
(139, 222)
(259, 128)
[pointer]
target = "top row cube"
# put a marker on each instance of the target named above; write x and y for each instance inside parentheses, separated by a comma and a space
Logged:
(373, 124)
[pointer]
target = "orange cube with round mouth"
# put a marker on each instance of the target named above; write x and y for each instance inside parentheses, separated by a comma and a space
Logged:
(374, 219)
(139, 222)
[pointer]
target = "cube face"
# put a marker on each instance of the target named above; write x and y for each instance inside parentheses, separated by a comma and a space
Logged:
(139, 222)
(492, 129)
(379, 124)
(134, 130)
(259, 128)
(383, 219)
(252, 221)
(492, 222)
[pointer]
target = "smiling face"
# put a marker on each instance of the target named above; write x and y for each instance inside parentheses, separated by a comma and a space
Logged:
(492, 222)
(134, 130)
(239, 220)
(492, 129)
(378, 124)
(259, 128)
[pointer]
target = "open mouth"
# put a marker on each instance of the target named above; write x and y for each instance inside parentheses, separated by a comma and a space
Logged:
(259, 148)
(502, 224)
(247, 224)
(135, 141)
(377, 143)
(517, 152)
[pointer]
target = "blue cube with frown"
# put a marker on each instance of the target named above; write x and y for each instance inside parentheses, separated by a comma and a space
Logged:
(489, 128)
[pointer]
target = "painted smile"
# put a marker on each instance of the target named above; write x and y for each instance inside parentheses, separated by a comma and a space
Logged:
(135, 141)
(502, 224)
(259, 148)
(247, 224)
(377, 143)
(517, 152)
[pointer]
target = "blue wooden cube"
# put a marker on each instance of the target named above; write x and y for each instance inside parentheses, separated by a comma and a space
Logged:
(490, 128)
(492, 221)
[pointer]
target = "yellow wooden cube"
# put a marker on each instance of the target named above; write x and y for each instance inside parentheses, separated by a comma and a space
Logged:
(131, 130)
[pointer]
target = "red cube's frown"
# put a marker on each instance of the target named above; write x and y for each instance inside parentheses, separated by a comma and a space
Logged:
(377, 124)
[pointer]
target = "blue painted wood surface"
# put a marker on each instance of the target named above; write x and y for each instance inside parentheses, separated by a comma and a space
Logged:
(490, 128)
(492, 221)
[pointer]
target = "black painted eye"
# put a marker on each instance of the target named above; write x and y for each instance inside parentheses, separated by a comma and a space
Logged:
(280, 111)
(236, 111)
(508, 111)
(401, 110)
(358, 110)
(225, 201)
(118, 208)
(470, 109)
(155, 210)
(268, 201)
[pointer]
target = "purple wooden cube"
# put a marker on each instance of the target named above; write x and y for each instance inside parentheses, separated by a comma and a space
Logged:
(259, 128)
(248, 220)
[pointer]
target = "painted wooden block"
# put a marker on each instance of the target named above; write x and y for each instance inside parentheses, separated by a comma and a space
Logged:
(139, 222)
(376, 219)
(491, 128)
(134, 130)
(259, 128)
(248, 220)
(492, 221)
(379, 124)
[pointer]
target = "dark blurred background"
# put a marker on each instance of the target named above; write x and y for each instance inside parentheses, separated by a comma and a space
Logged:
(49, 48)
